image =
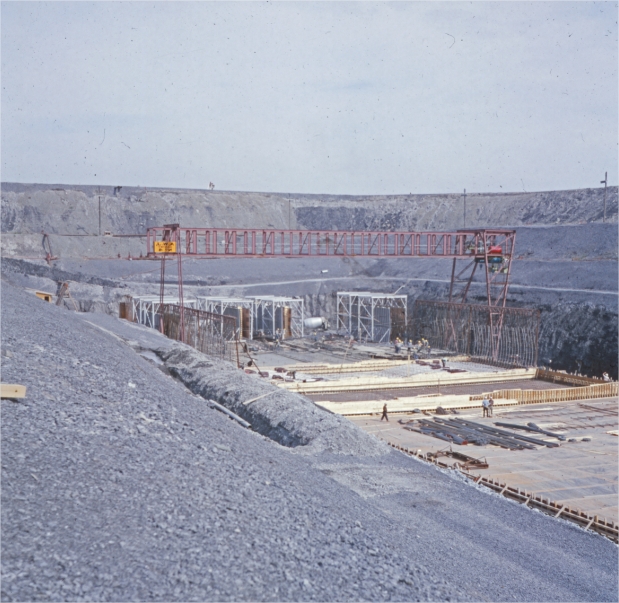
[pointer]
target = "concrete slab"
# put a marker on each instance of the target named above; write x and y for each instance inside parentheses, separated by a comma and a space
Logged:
(582, 475)
(407, 405)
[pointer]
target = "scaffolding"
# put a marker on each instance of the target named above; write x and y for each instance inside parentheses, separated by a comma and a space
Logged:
(272, 313)
(375, 317)
(145, 308)
(241, 309)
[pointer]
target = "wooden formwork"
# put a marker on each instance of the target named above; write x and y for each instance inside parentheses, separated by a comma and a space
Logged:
(565, 394)
(559, 377)
(352, 367)
(422, 380)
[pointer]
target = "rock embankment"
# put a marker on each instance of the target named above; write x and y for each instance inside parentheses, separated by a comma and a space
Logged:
(287, 418)
(91, 211)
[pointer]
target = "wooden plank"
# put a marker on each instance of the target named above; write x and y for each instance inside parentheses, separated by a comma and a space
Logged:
(11, 390)
(425, 379)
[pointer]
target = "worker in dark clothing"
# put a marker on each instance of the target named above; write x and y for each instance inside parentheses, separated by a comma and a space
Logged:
(490, 406)
(385, 413)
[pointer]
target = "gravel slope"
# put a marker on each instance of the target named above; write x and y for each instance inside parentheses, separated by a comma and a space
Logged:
(119, 484)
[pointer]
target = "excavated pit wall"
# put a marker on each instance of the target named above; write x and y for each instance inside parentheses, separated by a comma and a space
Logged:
(74, 210)
(567, 258)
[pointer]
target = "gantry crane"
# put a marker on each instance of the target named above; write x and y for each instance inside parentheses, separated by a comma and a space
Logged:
(489, 250)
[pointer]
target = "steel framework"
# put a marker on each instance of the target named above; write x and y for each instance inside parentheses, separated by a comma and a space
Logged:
(232, 242)
(242, 309)
(467, 329)
(146, 308)
(490, 251)
(369, 316)
(273, 312)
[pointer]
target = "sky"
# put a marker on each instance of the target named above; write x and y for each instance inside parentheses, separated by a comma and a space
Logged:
(311, 97)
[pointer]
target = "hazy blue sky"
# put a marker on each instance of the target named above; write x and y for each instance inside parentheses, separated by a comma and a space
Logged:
(316, 97)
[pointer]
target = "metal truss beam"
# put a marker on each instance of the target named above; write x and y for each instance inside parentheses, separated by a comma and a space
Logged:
(258, 243)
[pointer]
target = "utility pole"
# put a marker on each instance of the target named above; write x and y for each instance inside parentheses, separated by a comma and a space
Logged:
(464, 208)
(99, 193)
(605, 183)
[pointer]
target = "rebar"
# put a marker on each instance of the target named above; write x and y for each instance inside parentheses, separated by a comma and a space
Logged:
(212, 334)
(468, 329)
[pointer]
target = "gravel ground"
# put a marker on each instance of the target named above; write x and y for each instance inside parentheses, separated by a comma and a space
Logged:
(118, 483)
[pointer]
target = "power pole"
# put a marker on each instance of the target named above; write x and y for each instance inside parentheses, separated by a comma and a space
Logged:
(605, 183)
(464, 208)
(99, 193)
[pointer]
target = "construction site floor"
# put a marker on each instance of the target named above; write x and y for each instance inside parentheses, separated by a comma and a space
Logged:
(471, 389)
(582, 474)
(313, 349)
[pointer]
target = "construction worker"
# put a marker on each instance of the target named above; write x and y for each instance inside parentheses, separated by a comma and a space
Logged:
(385, 413)
(397, 343)
(443, 362)
(490, 406)
(606, 377)
(485, 406)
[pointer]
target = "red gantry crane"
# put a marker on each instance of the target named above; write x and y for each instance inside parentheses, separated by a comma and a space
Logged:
(490, 251)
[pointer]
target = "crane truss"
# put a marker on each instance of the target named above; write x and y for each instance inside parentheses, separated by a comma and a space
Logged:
(228, 242)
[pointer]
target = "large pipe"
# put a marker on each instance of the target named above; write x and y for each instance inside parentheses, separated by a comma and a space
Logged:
(314, 323)
(232, 415)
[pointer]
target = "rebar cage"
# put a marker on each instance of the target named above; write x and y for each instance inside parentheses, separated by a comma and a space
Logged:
(376, 317)
(471, 329)
(212, 334)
